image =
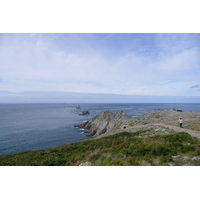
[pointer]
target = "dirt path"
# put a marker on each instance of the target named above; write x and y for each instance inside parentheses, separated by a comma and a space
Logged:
(178, 129)
(155, 126)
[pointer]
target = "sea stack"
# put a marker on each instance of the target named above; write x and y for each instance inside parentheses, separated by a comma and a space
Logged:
(85, 112)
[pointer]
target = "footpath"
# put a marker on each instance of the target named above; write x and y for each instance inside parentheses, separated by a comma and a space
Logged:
(178, 129)
(157, 126)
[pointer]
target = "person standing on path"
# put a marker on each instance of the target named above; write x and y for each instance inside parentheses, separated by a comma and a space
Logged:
(181, 122)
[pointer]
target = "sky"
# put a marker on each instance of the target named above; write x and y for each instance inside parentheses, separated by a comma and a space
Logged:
(36, 67)
(120, 66)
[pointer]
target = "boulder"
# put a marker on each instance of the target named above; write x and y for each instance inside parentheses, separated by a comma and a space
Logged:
(85, 164)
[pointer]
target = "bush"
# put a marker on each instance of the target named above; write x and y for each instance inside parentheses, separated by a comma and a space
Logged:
(179, 137)
(120, 149)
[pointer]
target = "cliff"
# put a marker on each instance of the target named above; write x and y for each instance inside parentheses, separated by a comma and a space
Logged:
(105, 122)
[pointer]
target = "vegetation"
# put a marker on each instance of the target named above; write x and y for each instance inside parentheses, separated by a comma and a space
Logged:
(122, 149)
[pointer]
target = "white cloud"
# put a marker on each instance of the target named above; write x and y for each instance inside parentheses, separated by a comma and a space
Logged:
(36, 63)
(180, 62)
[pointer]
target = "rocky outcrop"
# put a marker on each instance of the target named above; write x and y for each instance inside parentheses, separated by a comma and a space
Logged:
(85, 112)
(108, 123)
(105, 122)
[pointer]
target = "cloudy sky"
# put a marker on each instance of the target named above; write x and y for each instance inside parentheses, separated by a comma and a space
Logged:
(161, 65)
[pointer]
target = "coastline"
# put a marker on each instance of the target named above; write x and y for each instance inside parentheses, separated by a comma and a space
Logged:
(150, 129)
(159, 118)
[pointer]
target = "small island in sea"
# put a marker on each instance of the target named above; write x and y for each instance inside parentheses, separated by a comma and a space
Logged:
(152, 139)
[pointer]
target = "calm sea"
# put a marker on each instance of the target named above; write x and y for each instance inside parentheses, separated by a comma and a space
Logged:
(41, 126)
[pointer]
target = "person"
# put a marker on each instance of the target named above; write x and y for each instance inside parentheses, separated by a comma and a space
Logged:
(181, 122)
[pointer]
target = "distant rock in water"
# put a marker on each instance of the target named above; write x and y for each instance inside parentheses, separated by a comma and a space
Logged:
(104, 122)
(78, 107)
(85, 112)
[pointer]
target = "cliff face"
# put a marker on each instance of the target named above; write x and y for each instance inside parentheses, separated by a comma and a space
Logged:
(104, 122)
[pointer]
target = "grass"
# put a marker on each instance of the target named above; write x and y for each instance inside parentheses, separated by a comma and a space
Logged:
(122, 149)
(158, 117)
(135, 123)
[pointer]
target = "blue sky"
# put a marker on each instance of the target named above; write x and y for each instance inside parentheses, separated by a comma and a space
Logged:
(151, 65)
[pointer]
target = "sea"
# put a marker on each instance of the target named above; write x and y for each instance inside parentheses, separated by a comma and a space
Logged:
(40, 126)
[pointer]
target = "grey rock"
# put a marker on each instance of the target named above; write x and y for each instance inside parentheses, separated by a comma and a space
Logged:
(85, 112)
(175, 157)
(85, 164)
(171, 164)
(166, 132)
(104, 122)
(196, 158)
(185, 157)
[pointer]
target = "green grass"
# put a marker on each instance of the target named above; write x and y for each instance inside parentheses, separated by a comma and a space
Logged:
(121, 149)
(158, 117)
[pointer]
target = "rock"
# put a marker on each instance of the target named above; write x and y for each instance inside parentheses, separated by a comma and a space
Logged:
(196, 158)
(104, 122)
(85, 112)
(185, 157)
(78, 107)
(166, 132)
(85, 164)
(171, 164)
(81, 125)
(175, 157)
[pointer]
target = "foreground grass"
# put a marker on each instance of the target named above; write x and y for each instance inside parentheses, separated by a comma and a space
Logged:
(121, 149)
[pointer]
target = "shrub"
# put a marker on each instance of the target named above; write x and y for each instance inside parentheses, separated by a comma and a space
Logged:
(120, 149)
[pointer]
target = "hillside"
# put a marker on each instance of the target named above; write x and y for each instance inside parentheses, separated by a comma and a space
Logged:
(151, 139)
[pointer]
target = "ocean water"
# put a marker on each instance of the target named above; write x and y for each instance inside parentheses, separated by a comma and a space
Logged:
(41, 126)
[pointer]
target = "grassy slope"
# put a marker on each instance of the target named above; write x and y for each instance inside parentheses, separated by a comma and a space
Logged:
(120, 149)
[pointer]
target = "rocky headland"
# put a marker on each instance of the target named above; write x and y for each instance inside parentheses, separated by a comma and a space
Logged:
(108, 123)
(105, 122)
